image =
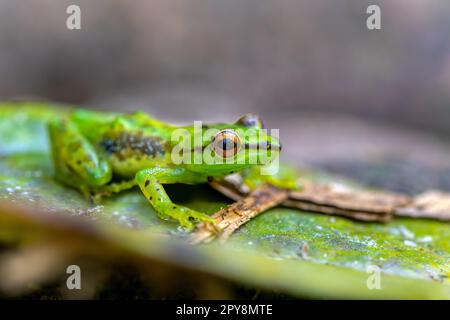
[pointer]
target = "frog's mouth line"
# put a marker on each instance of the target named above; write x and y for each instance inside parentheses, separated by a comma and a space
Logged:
(265, 146)
(250, 146)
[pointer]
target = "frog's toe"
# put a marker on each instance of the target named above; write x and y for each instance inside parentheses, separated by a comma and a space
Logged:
(96, 198)
(186, 224)
(187, 217)
(201, 217)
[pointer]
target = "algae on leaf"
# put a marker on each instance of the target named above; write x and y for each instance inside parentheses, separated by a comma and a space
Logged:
(298, 253)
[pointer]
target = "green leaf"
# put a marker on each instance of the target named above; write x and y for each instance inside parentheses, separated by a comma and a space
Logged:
(299, 253)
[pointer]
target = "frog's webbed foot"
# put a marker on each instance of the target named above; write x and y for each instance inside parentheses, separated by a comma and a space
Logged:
(86, 191)
(185, 216)
(98, 194)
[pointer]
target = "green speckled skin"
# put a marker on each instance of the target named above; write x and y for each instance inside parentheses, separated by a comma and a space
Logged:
(102, 153)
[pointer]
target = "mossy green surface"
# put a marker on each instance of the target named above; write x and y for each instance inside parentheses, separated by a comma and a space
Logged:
(300, 253)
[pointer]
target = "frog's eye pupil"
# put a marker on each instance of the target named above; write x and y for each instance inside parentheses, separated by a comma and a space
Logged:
(227, 143)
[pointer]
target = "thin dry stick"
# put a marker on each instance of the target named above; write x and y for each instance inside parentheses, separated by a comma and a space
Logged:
(432, 204)
(329, 199)
(376, 206)
(356, 215)
(235, 215)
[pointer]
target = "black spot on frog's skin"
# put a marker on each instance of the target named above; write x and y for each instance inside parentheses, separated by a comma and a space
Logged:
(109, 146)
(147, 183)
(137, 142)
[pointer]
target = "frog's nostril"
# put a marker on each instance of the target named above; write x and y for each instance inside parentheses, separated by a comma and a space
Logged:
(274, 146)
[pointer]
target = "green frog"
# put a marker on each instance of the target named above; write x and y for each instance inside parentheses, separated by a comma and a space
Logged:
(101, 153)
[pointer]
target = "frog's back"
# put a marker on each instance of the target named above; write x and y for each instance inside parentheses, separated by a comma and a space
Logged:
(130, 142)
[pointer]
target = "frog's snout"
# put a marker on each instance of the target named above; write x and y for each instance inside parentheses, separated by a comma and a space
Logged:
(269, 145)
(274, 146)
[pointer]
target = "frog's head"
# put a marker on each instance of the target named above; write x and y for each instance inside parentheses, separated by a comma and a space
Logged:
(229, 148)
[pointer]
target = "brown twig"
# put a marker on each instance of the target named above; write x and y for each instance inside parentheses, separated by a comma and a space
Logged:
(348, 202)
(231, 218)
(432, 204)
(333, 199)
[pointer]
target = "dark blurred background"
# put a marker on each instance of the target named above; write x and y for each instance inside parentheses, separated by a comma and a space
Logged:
(370, 104)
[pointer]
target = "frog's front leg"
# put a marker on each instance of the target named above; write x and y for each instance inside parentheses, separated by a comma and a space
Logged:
(284, 178)
(151, 183)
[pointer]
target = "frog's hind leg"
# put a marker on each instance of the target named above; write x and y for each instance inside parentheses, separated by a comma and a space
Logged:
(76, 162)
(150, 181)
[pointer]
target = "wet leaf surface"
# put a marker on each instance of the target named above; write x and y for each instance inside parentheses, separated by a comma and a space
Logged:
(299, 253)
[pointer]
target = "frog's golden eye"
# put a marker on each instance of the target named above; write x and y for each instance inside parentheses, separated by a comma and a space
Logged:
(227, 143)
